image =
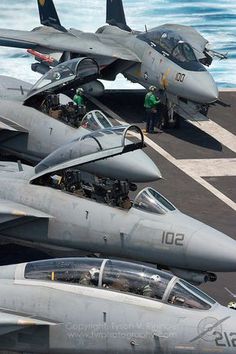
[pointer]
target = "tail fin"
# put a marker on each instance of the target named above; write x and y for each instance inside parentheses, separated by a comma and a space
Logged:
(48, 15)
(116, 15)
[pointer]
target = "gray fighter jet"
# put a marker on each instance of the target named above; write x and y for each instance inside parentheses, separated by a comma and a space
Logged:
(57, 205)
(35, 120)
(171, 56)
(87, 305)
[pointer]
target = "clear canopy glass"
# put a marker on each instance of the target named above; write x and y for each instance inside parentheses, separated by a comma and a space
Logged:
(64, 73)
(95, 120)
(171, 42)
(151, 201)
(127, 277)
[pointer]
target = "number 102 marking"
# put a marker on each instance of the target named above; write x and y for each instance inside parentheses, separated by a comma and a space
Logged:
(171, 238)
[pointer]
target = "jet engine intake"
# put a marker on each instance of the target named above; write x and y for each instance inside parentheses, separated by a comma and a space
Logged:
(94, 88)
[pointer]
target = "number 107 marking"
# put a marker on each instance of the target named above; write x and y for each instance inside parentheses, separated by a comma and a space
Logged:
(171, 238)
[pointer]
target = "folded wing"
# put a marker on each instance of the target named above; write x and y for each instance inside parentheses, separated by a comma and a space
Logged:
(87, 44)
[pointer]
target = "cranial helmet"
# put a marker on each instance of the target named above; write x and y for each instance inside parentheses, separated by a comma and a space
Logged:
(79, 90)
(232, 305)
(155, 278)
(94, 272)
(152, 88)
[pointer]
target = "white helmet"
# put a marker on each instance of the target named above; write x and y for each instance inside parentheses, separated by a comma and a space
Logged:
(152, 88)
(156, 278)
(94, 272)
(232, 305)
(79, 90)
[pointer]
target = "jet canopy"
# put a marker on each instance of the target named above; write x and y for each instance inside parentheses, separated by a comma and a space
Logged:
(95, 120)
(113, 275)
(67, 75)
(151, 201)
(173, 45)
(92, 147)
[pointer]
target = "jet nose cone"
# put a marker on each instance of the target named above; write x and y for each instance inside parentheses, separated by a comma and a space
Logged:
(201, 87)
(210, 90)
(212, 250)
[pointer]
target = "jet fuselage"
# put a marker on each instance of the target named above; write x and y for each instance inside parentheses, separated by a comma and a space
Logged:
(161, 234)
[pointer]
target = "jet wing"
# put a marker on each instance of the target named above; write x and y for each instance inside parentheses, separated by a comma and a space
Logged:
(11, 322)
(18, 221)
(88, 44)
(7, 124)
(14, 210)
(11, 134)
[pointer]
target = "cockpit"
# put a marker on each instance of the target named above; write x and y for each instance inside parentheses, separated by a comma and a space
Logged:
(61, 169)
(53, 93)
(64, 74)
(114, 275)
(172, 45)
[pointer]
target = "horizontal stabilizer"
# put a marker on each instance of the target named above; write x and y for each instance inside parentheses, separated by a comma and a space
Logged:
(7, 124)
(11, 322)
(14, 209)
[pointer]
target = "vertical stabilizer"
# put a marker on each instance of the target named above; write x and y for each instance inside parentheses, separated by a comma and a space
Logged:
(116, 15)
(48, 15)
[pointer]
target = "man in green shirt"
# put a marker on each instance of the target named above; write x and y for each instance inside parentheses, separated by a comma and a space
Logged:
(151, 102)
(78, 97)
(79, 100)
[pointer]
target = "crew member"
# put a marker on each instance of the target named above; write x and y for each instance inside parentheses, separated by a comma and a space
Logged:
(232, 305)
(151, 288)
(79, 100)
(90, 278)
(151, 102)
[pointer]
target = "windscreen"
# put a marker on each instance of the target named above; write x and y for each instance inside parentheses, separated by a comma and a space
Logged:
(151, 201)
(187, 296)
(95, 120)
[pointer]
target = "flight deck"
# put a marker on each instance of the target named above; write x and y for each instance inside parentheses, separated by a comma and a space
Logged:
(198, 164)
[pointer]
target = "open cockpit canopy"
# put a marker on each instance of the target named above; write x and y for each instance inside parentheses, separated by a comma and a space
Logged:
(114, 275)
(92, 147)
(63, 77)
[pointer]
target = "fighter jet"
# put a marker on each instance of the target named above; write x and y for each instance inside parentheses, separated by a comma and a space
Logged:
(171, 56)
(57, 205)
(88, 305)
(35, 120)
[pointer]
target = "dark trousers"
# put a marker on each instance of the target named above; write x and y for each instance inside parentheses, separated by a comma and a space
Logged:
(151, 119)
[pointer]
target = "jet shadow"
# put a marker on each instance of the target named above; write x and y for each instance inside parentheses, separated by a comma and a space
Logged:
(194, 135)
(12, 253)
